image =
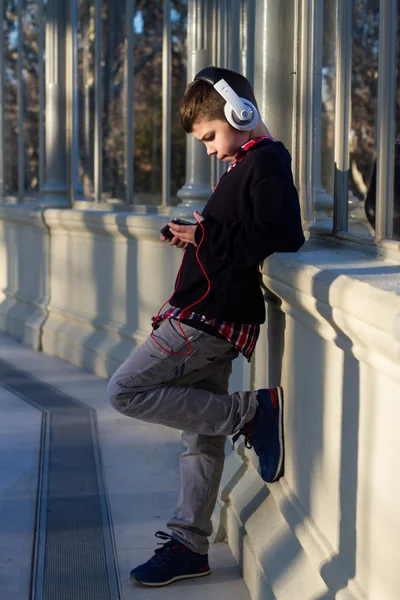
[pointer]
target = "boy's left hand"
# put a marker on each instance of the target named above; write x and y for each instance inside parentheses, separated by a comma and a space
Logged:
(186, 232)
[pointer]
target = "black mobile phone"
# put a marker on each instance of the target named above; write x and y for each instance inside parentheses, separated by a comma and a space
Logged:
(165, 231)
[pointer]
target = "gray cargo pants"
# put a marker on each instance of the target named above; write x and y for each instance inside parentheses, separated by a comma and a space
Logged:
(187, 392)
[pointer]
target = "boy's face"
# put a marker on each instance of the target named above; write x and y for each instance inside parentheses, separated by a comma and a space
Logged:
(220, 138)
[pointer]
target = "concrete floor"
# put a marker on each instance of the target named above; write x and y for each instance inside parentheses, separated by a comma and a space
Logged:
(141, 469)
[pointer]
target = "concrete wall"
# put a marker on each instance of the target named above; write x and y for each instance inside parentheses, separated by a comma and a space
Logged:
(82, 285)
(24, 273)
(330, 527)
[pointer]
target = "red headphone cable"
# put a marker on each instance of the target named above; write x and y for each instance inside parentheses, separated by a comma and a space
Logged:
(187, 307)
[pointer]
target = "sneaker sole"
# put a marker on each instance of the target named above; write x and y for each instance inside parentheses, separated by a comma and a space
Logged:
(148, 584)
(280, 467)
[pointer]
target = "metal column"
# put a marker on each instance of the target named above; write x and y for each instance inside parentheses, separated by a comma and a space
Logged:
(54, 191)
(197, 189)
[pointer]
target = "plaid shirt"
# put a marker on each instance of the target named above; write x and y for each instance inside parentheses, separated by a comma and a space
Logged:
(242, 337)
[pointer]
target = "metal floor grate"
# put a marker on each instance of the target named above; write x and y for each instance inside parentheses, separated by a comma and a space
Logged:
(74, 556)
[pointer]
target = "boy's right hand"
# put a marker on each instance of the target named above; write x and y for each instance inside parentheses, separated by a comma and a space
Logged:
(175, 241)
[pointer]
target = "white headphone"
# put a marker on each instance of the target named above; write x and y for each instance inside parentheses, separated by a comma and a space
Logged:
(239, 112)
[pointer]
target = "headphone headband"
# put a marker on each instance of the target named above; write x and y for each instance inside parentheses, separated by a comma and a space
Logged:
(210, 74)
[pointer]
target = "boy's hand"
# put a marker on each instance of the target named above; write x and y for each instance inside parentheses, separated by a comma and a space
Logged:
(185, 233)
(175, 241)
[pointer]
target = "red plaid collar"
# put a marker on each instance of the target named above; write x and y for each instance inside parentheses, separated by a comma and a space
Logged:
(245, 149)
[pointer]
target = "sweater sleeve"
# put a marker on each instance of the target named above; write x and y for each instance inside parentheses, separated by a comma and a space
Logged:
(275, 227)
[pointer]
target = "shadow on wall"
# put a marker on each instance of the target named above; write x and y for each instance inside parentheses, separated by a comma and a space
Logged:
(109, 289)
(341, 568)
(276, 323)
(10, 271)
(310, 382)
(25, 275)
(346, 556)
(130, 273)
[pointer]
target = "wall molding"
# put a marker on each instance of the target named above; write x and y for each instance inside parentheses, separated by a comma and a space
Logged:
(240, 519)
(342, 308)
(23, 309)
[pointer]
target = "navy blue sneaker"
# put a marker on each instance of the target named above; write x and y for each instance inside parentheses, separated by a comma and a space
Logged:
(171, 562)
(264, 433)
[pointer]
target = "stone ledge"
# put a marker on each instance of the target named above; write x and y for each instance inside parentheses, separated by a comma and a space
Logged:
(339, 294)
(23, 214)
(337, 276)
(106, 223)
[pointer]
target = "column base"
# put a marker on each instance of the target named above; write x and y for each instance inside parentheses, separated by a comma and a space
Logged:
(53, 201)
(194, 197)
(185, 209)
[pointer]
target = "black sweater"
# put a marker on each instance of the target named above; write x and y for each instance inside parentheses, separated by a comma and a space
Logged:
(253, 212)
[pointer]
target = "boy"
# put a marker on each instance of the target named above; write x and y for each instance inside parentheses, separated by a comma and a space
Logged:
(179, 376)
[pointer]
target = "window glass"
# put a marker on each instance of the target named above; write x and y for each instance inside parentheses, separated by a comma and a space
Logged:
(148, 27)
(363, 111)
(30, 24)
(396, 192)
(85, 54)
(11, 97)
(370, 202)
(114, 128)
(178, 86)
(325, 130)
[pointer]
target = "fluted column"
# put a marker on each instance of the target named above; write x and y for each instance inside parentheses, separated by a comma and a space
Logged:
(197, 189)
(54, 191)
(274, 72)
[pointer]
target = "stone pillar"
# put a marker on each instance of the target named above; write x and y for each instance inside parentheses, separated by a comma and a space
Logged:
(274, 71)
(54, 192)
(197, 189)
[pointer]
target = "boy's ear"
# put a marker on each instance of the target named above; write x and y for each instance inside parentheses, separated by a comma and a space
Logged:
(239, 112)
(248, 119)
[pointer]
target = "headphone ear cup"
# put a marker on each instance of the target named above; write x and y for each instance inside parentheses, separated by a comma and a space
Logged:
(233, 120)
